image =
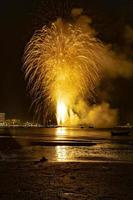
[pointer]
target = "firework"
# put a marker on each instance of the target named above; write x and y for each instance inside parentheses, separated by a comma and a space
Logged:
(63, 64)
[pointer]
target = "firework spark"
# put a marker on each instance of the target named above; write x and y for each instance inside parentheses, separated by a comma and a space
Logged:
(62, 64)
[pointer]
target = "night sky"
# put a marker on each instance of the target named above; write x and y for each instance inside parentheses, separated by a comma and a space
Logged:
(18, 21)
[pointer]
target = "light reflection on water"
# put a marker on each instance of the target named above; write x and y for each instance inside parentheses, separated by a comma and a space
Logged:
(61, 153)
(60, 131)
(27, 144)
(96, 152)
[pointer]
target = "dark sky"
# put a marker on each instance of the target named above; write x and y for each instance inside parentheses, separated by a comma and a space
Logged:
(19, 19)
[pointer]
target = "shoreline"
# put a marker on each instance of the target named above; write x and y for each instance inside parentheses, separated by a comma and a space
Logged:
(66, 180)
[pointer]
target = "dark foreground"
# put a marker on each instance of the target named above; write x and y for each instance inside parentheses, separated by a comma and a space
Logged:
(53, 181)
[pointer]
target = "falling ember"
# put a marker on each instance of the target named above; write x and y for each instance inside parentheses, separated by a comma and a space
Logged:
(63, 64)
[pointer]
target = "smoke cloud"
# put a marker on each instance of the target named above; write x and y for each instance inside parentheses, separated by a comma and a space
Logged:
(99, 116)
(118, 65)
(76, 12)
(64, 63)
(128, 35)
(115, 64)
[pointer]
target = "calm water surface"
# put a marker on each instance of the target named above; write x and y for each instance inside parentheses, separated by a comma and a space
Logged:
(64, 144)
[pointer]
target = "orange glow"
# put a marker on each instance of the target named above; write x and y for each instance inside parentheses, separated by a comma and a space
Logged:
(61, 153)
(63, 64)
(60, 131)
(61, 112)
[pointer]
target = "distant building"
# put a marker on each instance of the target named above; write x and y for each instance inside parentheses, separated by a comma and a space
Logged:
(12, 122)
(2, 118)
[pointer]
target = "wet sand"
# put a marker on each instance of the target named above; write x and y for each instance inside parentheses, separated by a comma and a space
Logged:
(65, 180)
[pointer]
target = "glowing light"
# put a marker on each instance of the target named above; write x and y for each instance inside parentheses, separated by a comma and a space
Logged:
(61, 112)
(61, 153)
(60, 131)
(62, 64)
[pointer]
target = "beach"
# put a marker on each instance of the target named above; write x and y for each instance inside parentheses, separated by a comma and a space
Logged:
(66, 180)
(100, 170)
